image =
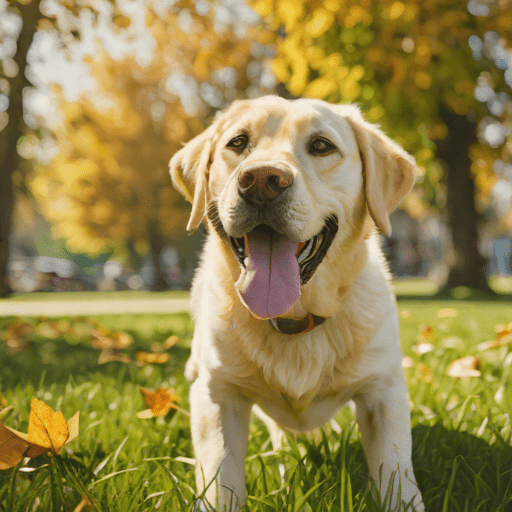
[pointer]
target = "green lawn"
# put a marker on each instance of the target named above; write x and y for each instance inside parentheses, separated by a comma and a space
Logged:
(461, 426)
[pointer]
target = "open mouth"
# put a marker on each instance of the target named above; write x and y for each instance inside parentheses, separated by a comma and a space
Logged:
(274, 267)
(309, 254)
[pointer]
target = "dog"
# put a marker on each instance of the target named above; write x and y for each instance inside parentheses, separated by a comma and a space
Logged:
(292, 300)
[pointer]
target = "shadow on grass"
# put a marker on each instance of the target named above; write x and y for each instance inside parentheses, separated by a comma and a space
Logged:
(55, 361)
(463, 469)
(54, 350)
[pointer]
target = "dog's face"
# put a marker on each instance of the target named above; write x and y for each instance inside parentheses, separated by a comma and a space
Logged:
(281, 181)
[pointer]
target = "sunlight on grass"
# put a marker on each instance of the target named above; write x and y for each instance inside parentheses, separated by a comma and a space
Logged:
(122, 463)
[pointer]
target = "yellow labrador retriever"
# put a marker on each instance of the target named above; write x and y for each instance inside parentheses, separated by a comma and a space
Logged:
(292, 301)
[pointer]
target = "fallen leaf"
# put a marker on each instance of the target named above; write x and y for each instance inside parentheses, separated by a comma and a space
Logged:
(424, 373)
(107, 355)
(118, 340)
(12, 448)
(166, 345)
(47, 430)
(151, 358)
(464, 367)
(171, 341)
(160, 402)
(426, 332)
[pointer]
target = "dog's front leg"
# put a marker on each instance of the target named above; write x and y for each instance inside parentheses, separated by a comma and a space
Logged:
(383, 417)
(220, 428)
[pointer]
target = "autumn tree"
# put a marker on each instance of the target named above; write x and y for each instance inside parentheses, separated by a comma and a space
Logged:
(12, 82)
(436, 75)
(109, 184)
(19, 22)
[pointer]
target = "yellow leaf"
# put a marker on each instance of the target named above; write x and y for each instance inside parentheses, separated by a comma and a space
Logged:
(108, 355)
(151, 358)
(117, 340)
(47, 430)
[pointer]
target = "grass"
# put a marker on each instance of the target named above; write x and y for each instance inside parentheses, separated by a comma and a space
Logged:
(120, 463)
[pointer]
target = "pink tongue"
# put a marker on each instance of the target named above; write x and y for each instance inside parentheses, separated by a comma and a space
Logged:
(270, 284)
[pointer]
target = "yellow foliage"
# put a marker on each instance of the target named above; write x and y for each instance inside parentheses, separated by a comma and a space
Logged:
(423, 80)
(109, 183)
(320, 22)
(320, 88)
(395, 10)
(263, 7)
(290, 12)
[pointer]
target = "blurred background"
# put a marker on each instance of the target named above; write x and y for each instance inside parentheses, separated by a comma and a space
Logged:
(96, 96)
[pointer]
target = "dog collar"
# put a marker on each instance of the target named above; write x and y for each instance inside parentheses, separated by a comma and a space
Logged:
(300, 326)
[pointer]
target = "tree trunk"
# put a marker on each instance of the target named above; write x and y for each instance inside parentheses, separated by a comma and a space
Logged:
(467, 267)
(9, 158)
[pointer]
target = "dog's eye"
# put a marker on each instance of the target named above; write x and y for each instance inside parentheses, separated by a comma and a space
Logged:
(238, 143)
(321, 146)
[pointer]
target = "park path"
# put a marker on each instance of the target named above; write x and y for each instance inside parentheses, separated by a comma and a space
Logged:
(93, 307)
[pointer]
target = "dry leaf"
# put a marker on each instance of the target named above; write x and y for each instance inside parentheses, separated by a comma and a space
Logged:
(426, 332)
(424, 373)
(12, 448)
(160, 402)
(19, 329)
(47, 430)
(170, 342)
(107, 355)
(499, 342)
(166, 345)
(118, 340)
(465, 367)
(151, 358)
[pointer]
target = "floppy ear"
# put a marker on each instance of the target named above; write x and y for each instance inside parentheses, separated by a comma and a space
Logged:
(389, 171)
(189, 169)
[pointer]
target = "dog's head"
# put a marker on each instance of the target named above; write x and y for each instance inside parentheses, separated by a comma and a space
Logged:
(281, 181)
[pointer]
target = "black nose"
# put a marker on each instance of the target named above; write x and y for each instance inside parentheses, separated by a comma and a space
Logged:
(264, 184)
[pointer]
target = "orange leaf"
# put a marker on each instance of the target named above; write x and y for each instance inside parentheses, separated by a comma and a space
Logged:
(160, 402)
(111, 340)
(148, 357)
(426, 331)
(465, 367)
(107, 355)
(47, 430)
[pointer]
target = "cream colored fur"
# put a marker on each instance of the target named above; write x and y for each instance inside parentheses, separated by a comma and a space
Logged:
(298, 380)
